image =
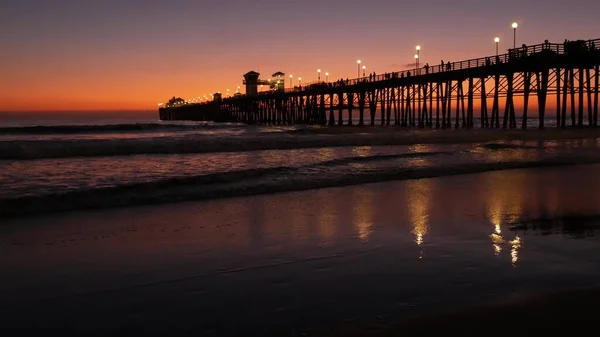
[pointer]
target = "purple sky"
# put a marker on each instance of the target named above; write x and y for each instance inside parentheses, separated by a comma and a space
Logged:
(113, 54)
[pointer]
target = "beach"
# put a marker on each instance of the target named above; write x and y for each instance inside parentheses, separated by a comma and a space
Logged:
(306, 263)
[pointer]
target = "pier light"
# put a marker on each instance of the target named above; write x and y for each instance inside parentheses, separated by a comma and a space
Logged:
(326, 77)
(291, 80)
(514, 26)
(299, 81)
(159, 104)
(364, 68)
(497, 40)
(319, 75)
(418, 54)
(358, 63)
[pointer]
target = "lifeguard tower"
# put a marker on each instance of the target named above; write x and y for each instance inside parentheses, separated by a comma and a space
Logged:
(217, 97)
(251, 81)
(278, 81)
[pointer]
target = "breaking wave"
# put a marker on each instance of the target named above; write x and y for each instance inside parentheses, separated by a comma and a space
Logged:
(337, 172)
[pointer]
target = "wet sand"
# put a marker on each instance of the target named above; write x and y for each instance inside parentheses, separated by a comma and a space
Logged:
(312, 263)
(567, 312)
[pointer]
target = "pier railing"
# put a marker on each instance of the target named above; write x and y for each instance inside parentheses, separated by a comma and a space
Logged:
(570, 47)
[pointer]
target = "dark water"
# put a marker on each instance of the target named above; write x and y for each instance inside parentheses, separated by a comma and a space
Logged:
(303, 262)
(79, 165)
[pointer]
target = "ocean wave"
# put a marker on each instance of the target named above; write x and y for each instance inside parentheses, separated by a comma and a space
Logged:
(504, 146)
(135, 127)
(182, 144)
(260, 181)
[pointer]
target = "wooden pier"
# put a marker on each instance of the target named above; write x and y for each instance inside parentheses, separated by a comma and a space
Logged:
(441, 96)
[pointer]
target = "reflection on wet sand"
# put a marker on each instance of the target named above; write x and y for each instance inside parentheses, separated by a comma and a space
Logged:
(363, 213)
(505, 201)
(351, 249)
(362, 151)
(419, 198)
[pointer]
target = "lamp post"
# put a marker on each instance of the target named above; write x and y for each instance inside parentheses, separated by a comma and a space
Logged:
(327, 77)
(319, 75)
(291, 80)
(514, 26)
(418, 54)
(416, 61)
(358, 63)
(299, 81)
(364, 68)
(497, 40)
(237, 91)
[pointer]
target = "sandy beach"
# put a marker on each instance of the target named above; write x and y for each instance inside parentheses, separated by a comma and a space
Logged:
(309, 263)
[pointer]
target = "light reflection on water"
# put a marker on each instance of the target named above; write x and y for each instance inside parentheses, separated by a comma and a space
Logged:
(326, 254)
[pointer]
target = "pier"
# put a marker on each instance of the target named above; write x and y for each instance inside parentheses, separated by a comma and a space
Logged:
(560, 76)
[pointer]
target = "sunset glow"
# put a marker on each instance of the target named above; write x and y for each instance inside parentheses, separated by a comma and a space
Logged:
(114, 55)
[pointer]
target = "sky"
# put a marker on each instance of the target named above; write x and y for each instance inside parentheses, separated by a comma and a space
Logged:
(133, 54)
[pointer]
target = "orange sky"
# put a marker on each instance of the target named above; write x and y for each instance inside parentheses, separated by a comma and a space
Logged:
(112, 55)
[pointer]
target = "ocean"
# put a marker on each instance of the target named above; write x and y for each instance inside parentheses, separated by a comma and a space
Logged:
(64, 164)
(139, 227)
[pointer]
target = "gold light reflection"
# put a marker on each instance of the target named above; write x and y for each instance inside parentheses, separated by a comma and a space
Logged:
(514, 252)
(363, 214)
(325, 153)
(362, 151)
(505, 200)
(419, 196)
(497, 241)
(418, 162)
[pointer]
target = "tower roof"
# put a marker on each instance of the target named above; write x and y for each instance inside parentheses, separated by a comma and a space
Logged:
(279, 73)
(251, 72)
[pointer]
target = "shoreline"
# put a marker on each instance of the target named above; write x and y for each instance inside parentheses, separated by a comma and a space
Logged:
(105, 197)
